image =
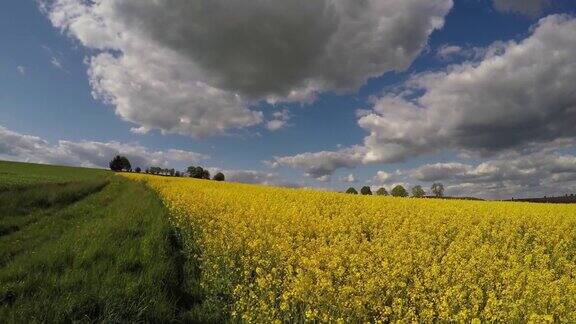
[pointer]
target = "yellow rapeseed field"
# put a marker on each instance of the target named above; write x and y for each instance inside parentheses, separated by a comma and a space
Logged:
(295, 255)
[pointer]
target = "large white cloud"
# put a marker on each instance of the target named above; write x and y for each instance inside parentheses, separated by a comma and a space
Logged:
(519, 96)
(27, 148)
(195, 67)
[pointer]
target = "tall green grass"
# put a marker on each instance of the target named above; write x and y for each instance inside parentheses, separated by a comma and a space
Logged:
(94, 250)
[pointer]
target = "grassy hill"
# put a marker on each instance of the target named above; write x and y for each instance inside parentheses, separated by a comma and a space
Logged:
(82, 244)
(18, 175)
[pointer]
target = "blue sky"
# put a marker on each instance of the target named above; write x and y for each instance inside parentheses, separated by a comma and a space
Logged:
(47, 94)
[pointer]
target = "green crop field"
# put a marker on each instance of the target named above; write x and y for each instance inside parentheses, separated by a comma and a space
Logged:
(85, 245)
(16, 174)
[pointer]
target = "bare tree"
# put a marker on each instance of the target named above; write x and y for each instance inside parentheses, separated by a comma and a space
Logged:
(437, 189)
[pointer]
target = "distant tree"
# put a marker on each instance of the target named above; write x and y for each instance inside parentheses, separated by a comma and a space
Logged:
(138, 170)
(172, 171)
(382, 192)
(116, 163)
(196, 172)
(126, 164)
(219, 176)
(120, 163)
(177, 174)
(418, 192)
(366, 191)
(206, 174)
(399, 191)
(147, 170)
(351, 191)
(156, 170)
(437, 189)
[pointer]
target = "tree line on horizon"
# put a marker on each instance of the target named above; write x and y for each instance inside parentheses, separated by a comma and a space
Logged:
(437, 190)
(122, 164)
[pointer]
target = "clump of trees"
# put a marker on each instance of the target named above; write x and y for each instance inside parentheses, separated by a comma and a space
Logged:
(198, 172)
(399, 191)
(120, 163)
(161, 171)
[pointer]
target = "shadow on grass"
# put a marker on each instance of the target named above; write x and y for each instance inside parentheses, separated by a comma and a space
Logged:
(24, 200)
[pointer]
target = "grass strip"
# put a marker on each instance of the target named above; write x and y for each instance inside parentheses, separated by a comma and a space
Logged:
(109, 256)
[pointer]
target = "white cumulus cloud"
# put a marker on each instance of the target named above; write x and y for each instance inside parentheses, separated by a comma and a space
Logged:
(254, 177)
(382, 177)
(350, 178)
(321, 165)
(279, 121)
(27, 148)
(519, 94)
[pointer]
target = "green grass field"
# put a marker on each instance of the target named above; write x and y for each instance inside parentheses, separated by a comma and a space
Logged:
(18, 175)
(86, 245)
